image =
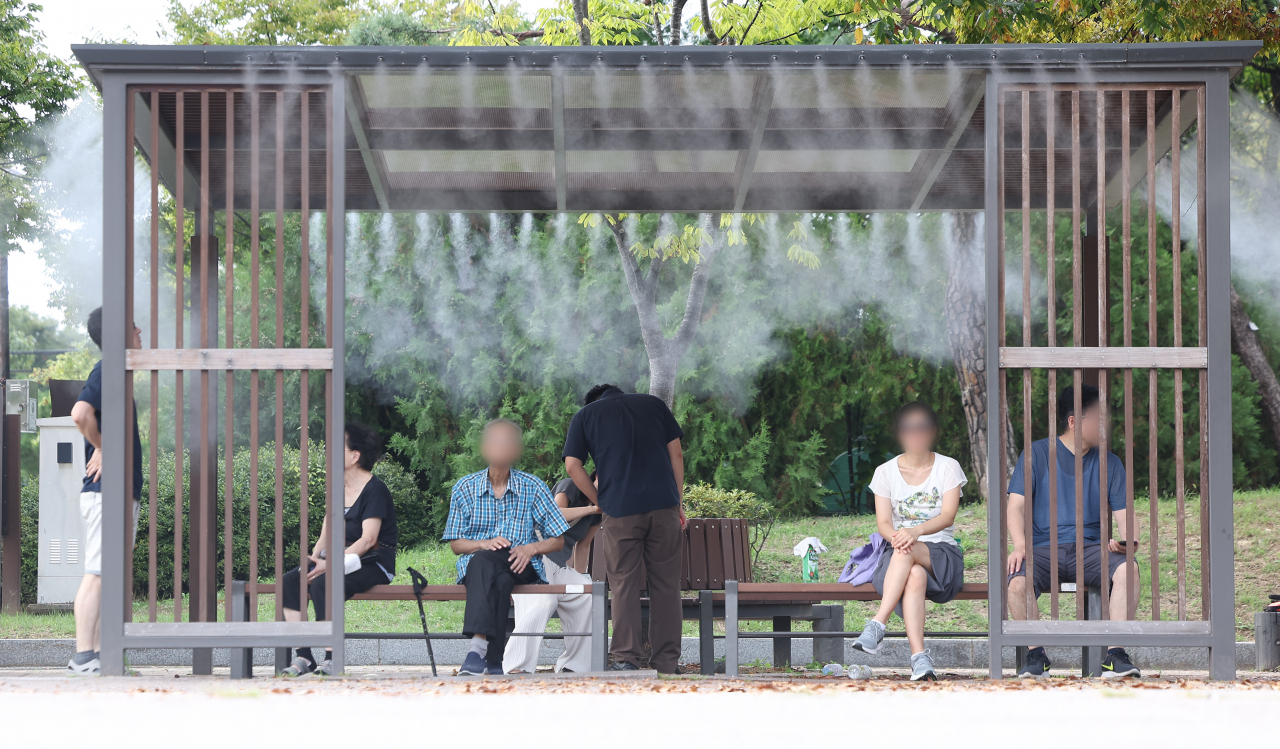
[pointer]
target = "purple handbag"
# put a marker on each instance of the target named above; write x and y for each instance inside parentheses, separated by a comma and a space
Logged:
(865, 560)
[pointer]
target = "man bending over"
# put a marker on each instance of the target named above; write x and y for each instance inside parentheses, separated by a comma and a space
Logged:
(1090, 426)
(493, 516)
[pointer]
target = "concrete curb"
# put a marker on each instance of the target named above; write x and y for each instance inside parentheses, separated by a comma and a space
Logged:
(947, 653)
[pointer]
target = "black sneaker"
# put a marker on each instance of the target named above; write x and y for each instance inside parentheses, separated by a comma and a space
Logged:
(1117, 665)
(1036, 666)
(622, 666)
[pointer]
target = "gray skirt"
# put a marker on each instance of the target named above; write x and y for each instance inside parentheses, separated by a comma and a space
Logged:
(945, 581)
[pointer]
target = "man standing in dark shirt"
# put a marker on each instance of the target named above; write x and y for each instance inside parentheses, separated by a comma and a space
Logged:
(635, 442)
(87, 414)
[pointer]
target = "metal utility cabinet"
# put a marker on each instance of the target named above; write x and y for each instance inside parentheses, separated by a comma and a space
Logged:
(61, 558)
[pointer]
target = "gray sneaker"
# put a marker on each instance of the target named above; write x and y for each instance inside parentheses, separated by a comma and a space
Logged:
(922, 667)
(871, 637)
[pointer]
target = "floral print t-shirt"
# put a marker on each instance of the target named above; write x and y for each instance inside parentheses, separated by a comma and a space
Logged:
(913, 505)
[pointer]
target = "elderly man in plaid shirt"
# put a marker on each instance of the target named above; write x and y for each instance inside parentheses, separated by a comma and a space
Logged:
(493, 516)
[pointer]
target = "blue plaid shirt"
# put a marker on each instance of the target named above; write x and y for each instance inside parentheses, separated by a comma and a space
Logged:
(475, 514)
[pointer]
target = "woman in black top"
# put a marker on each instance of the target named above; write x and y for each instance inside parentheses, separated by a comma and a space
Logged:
(371, 534)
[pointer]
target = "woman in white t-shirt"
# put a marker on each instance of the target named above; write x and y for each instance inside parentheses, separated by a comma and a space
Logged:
(917, 495)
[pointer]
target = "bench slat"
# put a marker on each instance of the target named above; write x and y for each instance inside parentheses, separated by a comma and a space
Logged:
(697, 556)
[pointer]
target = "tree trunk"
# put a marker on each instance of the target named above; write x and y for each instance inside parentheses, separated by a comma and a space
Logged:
(664, 353)
(1244, 343)
(580, 12)
(966, 332)
(677, 11)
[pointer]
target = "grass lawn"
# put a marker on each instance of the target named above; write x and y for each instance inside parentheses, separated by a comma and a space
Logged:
(1257, 573)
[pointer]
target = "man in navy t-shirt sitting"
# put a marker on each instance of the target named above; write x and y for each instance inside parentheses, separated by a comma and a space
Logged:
(1090, 426)
(87, 414)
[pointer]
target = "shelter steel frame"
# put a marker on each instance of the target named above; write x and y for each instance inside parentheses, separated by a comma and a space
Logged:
(116, 68)
(119, 363)
(1217, 630)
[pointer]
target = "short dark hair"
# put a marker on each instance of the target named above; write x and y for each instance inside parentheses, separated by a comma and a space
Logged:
(1067, 402)
(94, 325)
(594, 394)
(365, 441)
(915, 407)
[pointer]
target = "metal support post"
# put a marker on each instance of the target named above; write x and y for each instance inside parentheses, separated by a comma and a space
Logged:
(828, 649)
(782, 645)
(731, 627)
(241, 658)
(599, 625)
(706, 634)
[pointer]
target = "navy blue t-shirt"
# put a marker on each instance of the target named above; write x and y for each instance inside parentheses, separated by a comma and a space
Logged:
(92, 394)
(1067, 492)
(627, 435)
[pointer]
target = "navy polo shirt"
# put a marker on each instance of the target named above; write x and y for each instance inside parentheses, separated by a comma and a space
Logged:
(627, 435)
(92, 394)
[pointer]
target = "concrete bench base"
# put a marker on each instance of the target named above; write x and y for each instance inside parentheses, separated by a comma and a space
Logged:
(947, 653)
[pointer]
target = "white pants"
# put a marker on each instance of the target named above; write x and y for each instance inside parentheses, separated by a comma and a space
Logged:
(533, 611)
(91, 512)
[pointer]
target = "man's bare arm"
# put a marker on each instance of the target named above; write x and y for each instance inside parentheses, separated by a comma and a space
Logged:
(87, 422)
(578, 473)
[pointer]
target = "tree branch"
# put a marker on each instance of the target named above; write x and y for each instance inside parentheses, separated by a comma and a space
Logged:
(707, 28)
(642, 295)
(759, 8)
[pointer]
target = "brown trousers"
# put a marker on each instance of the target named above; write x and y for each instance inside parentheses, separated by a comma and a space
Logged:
(649, 543)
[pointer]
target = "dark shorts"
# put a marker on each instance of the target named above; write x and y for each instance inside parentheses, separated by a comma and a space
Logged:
(1067, 566)
(945, 580)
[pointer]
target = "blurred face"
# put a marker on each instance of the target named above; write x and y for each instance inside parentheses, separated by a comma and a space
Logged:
(501, 445)
(135, 340)
(1090, 426)
(916, 433)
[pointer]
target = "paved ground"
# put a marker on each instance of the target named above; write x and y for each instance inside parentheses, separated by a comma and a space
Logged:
(961, 710)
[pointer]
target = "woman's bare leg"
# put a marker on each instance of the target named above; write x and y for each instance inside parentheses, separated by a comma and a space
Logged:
(895, 582)
(913, 607)
(292, 616)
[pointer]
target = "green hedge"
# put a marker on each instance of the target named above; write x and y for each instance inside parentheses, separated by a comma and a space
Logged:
(419, 518)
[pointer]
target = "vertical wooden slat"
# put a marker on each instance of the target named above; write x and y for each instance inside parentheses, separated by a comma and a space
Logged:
(254, 342)
(1153, 410)
(728, 552)
(279, 251)
(228, 568)
(131, 166)
(698, 555)
(304, 289)
(154, 448)
(1179, 452)
(1002, 443)
(1051, 293)
(1202, 246)
(715, 556)
(1077, 332)
(207, 269)
(1104, 405)
(1028, 470)
(1126, 242)
(180, 269)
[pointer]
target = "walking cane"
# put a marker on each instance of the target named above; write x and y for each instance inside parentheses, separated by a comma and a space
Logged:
(419, 585)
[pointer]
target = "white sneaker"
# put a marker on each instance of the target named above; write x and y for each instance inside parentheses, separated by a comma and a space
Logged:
(871, 637)
(92, 667)
(922, 667)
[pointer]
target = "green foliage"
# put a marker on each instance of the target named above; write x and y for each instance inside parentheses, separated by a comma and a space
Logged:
(702, 500)
(269, 22)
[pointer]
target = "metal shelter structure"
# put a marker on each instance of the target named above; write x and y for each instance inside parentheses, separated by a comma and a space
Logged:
(233, 134)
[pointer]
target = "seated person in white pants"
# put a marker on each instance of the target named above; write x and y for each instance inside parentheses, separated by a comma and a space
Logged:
(562, 567)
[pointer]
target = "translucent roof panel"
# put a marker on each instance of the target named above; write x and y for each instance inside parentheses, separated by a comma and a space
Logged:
(848, 128)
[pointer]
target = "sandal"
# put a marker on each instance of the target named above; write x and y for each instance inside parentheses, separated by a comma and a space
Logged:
(300, 667)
